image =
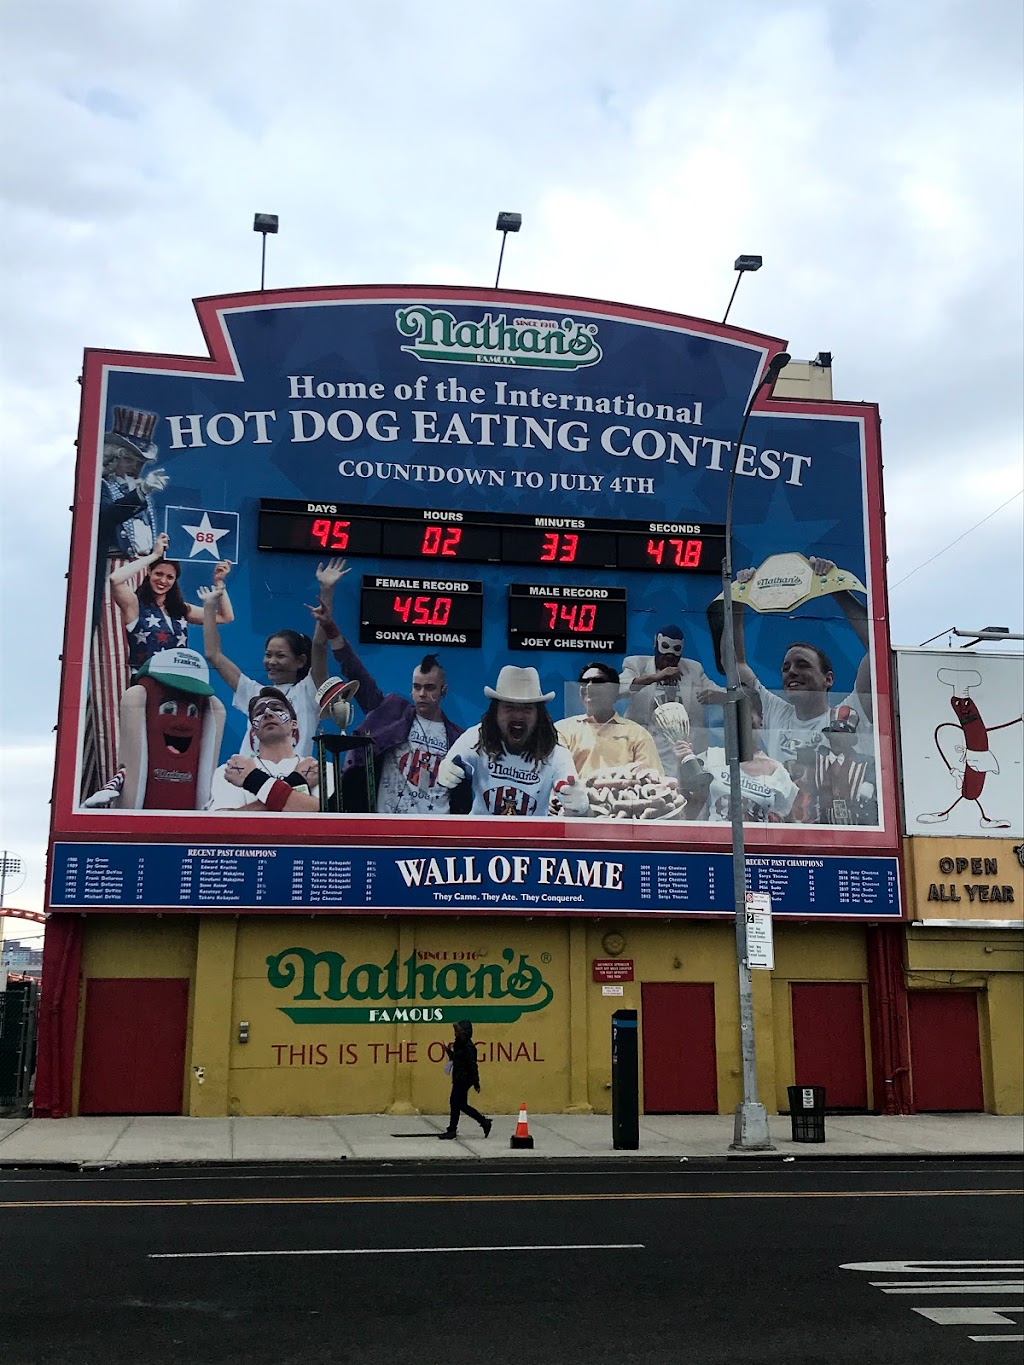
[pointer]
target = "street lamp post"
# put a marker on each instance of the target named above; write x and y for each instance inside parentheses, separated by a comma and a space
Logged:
(264, 223)
(507, 222)
(751, 1129)
(741, 265)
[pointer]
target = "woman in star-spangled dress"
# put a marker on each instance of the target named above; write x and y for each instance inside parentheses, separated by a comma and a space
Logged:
(155, 614)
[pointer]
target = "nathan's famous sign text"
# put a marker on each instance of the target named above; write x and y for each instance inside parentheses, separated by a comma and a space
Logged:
(534, 343)
(406, 992)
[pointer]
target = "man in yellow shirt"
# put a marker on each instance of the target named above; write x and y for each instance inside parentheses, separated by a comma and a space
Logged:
(601, 738)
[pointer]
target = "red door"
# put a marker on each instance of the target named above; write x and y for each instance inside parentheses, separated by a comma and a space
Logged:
(133, 1047)
(828, 1041)
(945, 1051)
(680, 1067)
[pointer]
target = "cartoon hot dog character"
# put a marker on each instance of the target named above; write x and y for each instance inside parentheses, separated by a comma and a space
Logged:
(171, 726)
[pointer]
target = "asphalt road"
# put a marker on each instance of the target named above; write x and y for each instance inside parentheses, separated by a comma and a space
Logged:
(696, 1262)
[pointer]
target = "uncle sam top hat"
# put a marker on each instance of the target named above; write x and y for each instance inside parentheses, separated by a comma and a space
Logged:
(133, 432)
(518, 685)
(181, 669)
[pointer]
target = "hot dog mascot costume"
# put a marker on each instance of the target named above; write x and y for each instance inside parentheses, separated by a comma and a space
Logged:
(171, 727)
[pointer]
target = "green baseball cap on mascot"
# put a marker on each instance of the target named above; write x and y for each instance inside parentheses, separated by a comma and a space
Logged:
(182, 670)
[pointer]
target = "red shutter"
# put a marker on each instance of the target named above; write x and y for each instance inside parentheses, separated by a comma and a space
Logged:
(678, 1031)
(133, 1049)
(828, 1041)
(945, 1051)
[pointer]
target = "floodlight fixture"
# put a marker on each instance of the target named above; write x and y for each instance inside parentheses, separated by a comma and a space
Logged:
(10, 866)
(741, 265)
(507, 222)
(264, 223)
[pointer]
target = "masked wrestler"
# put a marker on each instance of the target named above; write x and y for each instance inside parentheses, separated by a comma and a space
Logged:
(651, 680)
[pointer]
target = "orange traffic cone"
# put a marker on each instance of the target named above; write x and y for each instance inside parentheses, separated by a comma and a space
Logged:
(521, 1137)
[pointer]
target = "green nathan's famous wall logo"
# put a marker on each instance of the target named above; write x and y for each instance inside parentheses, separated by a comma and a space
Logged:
(393, 988)
(531, 343)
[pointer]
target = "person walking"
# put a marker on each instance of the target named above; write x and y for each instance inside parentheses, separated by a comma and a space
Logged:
(465, 1073)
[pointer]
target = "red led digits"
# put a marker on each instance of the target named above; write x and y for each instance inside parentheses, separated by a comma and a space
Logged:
(423, 611)
(332, 535)
(441, 540)
(579, 618)
(432, 611)
(558, 548)
(681, 554)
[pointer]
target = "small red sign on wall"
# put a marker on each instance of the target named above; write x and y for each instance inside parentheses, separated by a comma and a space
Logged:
(613, 969)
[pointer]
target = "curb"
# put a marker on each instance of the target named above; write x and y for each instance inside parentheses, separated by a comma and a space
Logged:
(604, 1163)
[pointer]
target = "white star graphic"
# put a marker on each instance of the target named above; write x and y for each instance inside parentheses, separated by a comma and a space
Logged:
(204, 537)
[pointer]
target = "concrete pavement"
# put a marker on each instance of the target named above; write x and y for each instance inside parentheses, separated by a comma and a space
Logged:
(142, 1141)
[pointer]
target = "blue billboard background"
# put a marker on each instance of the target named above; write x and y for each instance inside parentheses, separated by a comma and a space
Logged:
(454, 433)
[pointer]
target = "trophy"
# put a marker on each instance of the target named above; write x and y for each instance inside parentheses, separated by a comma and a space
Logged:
(335, 699)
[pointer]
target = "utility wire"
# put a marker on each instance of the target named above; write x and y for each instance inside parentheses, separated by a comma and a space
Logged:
(959, 538)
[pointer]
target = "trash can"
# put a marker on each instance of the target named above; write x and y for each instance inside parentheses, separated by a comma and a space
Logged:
(807, 1112)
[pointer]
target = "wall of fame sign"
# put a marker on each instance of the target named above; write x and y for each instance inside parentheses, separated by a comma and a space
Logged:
(391, 556)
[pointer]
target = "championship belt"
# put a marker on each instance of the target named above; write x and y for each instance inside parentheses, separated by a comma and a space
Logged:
(785, 582)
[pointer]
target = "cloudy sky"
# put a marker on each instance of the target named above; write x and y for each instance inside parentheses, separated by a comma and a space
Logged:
(869, 150)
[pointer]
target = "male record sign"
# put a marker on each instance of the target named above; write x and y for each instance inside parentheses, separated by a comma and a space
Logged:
(566, 616)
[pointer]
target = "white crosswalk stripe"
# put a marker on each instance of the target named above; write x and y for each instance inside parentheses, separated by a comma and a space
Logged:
(957, 1279)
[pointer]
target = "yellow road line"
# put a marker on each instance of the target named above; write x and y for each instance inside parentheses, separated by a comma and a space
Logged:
(276, 1202)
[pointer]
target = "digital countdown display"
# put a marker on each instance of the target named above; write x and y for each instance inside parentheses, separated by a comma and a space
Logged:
(450, 536)
(563, 616)
(420, 611)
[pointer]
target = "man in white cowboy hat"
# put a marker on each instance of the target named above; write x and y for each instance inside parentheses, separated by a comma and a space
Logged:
(514, 758)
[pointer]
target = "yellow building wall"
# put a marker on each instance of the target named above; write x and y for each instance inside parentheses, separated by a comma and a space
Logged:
(555, 1056)
(372, 1067)
(677, 951)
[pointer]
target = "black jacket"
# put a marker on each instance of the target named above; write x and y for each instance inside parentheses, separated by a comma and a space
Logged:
(463, 1057)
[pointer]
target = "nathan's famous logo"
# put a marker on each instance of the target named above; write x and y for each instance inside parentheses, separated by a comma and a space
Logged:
(532, 343)
(393, 987)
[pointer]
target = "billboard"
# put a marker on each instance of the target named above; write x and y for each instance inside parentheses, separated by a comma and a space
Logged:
(498, 518)
(961, 740)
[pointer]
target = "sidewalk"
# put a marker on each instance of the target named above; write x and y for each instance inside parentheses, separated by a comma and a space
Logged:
(383, 1137)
